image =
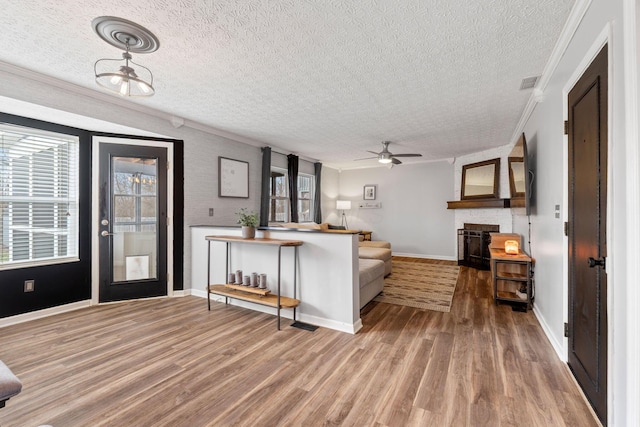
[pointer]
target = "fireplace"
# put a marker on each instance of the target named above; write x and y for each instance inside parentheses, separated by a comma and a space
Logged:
(473, 245)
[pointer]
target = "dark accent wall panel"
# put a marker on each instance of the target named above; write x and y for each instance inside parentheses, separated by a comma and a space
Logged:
(57, 284)
(178, 216)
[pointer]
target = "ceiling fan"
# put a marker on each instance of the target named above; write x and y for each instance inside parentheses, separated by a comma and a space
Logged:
(386, 156)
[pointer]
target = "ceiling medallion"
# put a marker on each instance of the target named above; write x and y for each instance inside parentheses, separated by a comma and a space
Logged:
(122, 78)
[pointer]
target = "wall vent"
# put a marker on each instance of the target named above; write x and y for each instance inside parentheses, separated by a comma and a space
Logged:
(529, 82)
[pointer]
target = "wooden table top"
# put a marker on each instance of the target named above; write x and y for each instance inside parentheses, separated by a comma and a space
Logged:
(501, 255)
(256, 241)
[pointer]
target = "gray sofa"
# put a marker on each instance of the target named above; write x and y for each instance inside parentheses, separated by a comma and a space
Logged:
(375, 265)
(382, 254)
(371, 279)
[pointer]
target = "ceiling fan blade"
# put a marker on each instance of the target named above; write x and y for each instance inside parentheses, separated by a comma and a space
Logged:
(372, 152)
(395, 161)
(407, 155)
(366, 158)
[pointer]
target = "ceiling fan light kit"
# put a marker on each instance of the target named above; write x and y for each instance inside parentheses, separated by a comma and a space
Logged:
(130, 37)
(386, 157)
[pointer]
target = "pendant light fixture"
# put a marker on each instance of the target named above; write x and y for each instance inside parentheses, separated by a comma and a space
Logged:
(119, 75)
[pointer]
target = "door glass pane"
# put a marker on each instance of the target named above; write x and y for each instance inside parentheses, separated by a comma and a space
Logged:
(134, 221)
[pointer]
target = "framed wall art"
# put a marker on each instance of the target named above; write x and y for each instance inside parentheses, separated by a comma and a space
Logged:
(369, 192)
(233, 178)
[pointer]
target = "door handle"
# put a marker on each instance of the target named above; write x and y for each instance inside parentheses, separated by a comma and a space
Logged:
(596, 262)
(105, 233)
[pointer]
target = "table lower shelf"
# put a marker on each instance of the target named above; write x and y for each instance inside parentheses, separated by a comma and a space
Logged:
(268, 300)
(510, 296)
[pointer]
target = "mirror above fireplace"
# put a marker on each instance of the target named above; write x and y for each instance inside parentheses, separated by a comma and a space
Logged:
(480, 180)
(479, 187)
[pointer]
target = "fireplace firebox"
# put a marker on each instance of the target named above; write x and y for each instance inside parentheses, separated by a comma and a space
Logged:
(473, 245)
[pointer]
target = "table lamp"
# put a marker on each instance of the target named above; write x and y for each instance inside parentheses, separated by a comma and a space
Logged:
(343, 205)
(512, 247)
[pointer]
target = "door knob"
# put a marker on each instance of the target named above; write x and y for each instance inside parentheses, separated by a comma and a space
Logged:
(596, 262)
(105, 233)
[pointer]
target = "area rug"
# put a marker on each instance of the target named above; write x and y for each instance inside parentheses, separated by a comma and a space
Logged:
(420, 285)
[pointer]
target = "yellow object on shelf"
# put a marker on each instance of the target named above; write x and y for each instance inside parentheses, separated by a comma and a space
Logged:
(512, 247)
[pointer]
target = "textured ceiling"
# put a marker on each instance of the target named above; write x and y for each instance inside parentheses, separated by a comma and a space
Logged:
(327, 79)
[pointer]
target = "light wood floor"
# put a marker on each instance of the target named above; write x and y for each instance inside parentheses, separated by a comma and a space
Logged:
(170, 362)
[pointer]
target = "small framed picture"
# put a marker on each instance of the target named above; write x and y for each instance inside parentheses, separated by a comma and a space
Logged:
(369, 192)
(233, 178)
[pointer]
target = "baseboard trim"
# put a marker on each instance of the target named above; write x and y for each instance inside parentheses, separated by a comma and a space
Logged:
(34, 315)
(285, 313)
(547, 331)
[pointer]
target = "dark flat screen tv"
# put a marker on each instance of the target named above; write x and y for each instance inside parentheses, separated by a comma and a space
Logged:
(520, 176)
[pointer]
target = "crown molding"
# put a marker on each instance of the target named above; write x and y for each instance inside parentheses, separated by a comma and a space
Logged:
(568, 31)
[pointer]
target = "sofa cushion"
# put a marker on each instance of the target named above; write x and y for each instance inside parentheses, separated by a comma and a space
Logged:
(370, 269)
(375, 244)
(383, 254)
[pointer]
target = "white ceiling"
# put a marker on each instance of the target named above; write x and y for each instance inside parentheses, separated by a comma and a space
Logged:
(327, 79)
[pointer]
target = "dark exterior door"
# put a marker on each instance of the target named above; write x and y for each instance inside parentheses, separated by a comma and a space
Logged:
(587, 233)
(133, 222)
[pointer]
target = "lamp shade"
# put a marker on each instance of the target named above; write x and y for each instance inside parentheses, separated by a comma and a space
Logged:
(343, 204)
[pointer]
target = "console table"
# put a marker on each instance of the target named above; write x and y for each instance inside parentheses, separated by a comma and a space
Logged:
(251, 294)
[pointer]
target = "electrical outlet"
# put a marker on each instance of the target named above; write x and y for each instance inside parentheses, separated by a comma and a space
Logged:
(210, 211)
(29, 285)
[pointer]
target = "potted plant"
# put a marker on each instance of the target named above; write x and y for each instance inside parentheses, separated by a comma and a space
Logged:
(248, 221)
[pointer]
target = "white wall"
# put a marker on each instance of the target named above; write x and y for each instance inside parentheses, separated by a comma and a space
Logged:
(329, 291)
(414, 215)
(330, 180)
(546, 145)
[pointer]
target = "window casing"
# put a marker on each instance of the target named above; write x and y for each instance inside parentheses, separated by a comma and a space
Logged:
(38, 197)
(279, 190)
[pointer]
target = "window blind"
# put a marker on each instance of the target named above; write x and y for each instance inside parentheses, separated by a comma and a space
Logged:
(38, 197)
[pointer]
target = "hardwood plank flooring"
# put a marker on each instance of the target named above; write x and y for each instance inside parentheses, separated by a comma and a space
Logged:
(170, 362)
